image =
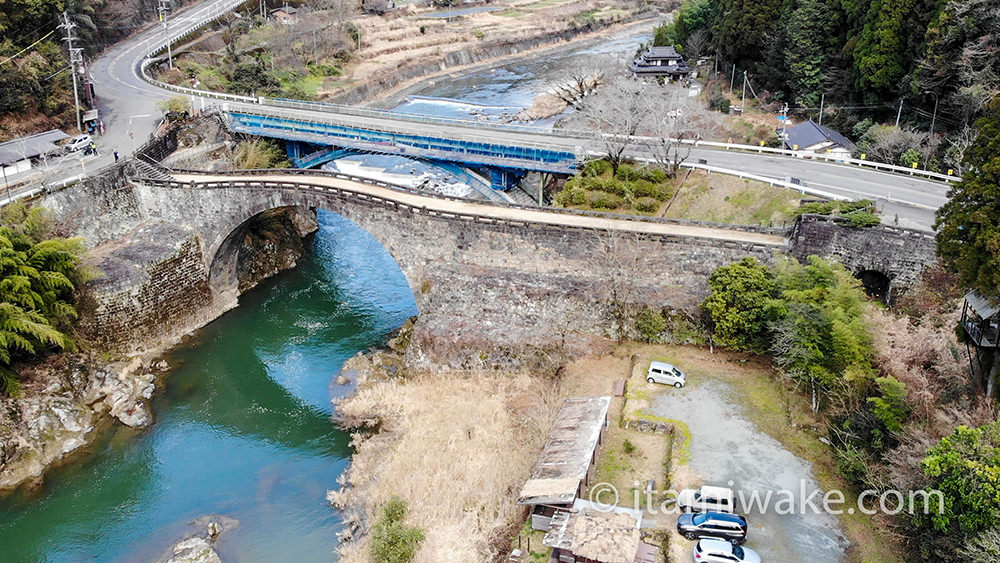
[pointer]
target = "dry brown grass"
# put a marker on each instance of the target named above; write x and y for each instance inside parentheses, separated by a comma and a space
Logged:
(728, 199)
(457, 448)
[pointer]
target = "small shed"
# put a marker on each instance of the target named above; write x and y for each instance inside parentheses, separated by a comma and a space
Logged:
(566, 464)
(286, 15)
(16, 155)
(813, 137)
(981, 319)
(594, 536)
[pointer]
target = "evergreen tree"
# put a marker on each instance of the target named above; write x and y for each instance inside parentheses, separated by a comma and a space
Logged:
(806, 47)
(969, 223)
(879, 57)
(742, 30)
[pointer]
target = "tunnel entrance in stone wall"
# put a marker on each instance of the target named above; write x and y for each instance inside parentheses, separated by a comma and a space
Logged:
(876, 284)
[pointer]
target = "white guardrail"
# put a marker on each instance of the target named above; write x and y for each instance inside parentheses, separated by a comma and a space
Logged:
(770, 181)
(222, 8)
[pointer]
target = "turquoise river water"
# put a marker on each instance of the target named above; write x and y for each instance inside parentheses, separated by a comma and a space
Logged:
(242, 429)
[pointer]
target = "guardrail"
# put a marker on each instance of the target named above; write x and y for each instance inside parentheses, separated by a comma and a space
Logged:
(782, 230)
(338, 109)
(770, 181)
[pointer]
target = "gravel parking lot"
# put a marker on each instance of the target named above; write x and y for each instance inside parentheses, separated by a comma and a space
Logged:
(727, 450)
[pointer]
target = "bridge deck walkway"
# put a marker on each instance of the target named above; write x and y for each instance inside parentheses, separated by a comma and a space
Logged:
(538, 216)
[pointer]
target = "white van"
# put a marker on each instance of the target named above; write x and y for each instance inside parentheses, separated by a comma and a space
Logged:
(667, 374)
(716, 499)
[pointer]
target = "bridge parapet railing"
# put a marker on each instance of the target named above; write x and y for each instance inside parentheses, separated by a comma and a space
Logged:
(222, 8)
(777, 230)
(266, 112)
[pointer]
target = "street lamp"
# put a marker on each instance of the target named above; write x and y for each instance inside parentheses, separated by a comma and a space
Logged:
(131, 136)
(934, 115)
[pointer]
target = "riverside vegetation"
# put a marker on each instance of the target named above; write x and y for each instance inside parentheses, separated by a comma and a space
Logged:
(39, 277)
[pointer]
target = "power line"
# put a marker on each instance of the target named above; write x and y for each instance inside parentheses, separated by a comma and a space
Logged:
(18, 54)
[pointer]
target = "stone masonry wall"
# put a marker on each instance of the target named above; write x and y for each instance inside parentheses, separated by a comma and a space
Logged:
(899, 254)
(485, 292)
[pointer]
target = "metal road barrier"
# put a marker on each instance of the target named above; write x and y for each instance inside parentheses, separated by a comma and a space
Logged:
(339, 109)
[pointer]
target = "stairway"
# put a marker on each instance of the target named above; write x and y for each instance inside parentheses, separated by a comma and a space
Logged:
(143, 169)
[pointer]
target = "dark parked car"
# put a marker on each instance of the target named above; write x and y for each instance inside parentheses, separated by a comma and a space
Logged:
(732, 527)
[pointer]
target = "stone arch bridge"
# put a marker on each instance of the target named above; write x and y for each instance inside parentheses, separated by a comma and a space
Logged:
(488, 279)
(484, 276)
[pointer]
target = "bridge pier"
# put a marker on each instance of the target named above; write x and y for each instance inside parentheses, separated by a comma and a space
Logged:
(504, 179)
(308, 155)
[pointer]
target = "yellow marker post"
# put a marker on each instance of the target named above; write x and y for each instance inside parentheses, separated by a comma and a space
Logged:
(951, 172)
(863, 155)
(762, 143)
(914, 165)
(795, 147)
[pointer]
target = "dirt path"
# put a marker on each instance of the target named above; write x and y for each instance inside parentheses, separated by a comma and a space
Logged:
(727, 449)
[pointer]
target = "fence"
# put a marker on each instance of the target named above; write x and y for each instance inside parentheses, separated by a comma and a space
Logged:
(783, 230)
(220, 9)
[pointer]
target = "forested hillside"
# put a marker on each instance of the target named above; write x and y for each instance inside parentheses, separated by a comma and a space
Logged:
(863, 55)
(36, 89)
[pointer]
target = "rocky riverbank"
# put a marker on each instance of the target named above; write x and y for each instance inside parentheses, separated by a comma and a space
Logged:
(153, 290)
(64, 401)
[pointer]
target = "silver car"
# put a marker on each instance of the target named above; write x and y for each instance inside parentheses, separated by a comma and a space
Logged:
(667, 374)
(709, 550)
(79, 142)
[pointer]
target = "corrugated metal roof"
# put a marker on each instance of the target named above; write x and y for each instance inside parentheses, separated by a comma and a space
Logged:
(31, 146)
(565, 458)
(985, 307)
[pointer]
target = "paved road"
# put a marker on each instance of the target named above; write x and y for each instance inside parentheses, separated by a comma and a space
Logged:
(541, 215)
(123, 96)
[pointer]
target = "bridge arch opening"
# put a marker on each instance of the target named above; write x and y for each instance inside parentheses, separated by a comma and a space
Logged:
(876, 284)
(354, 264)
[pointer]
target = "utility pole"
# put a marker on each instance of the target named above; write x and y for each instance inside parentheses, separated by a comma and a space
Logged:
(784, 120)
(263, 13)
(743, 104)
(75, 57)
(900, 112)
(934, 116)
(163, 9)
(822, 98)
(732, 79)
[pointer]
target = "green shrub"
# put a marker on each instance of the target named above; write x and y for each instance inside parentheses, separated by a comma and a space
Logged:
(719, 103)
(596, 168)
(647, 204)
(861, 219)
(651, 325)
(392, 540)
(628, 447)
(604, 200)
(625, 172)
(646, 188)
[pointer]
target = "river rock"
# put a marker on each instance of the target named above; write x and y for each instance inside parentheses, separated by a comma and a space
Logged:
(194, 550)
(343, 380)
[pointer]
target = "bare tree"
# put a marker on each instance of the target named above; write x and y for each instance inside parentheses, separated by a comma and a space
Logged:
(618, 111)
(579, 79)
(960, 143)
(622, 261)
(696, 44)
(677, 120)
